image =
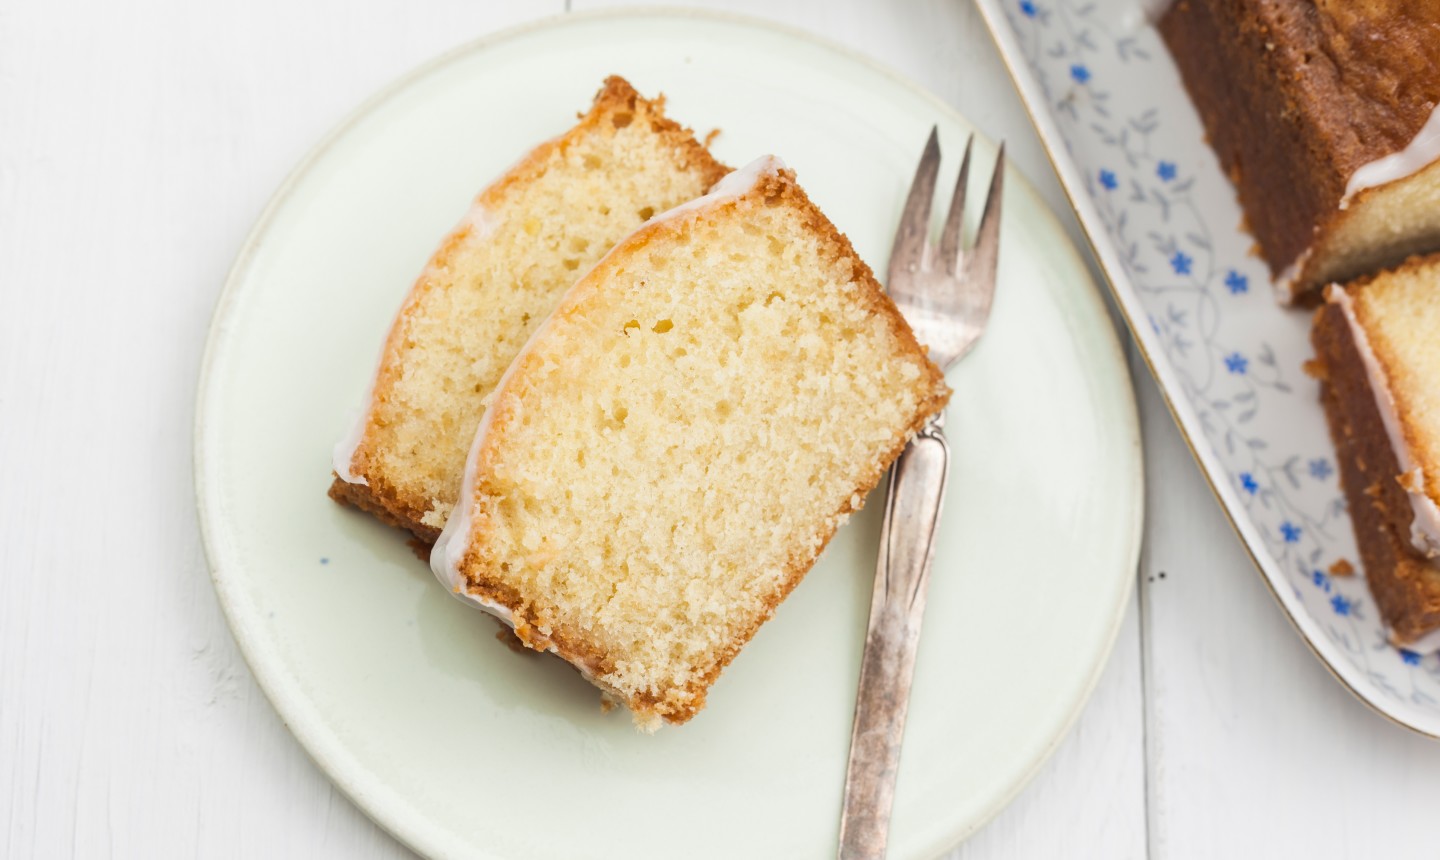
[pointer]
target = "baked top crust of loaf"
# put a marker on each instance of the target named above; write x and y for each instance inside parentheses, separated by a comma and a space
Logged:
(1295, 96)
(526, 239)
(667, 458)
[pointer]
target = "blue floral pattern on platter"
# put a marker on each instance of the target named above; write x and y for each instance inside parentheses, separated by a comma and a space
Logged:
(1134, 143)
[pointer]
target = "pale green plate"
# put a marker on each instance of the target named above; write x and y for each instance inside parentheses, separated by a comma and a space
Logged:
(460, 747)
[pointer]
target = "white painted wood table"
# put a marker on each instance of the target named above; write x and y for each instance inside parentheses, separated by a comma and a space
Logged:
(139, 141)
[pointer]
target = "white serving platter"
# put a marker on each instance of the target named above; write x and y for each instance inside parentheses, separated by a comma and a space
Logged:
(1165, 225)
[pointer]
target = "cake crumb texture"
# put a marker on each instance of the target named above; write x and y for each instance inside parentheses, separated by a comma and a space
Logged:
(527, 238)
(668, 458)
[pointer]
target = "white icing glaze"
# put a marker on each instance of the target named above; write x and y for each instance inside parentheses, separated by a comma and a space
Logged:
(1142, 13)
(454, 540)
(1427, 644)
(481, 225)
(1285, 284)
(1425, 526)
(1423, 149)
(343, 454)
(730, 186)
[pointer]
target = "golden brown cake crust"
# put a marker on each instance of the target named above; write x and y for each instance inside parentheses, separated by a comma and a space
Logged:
(616, 99)
(1406, 588)
(385, 505)
(780, 189)
(1295, 95)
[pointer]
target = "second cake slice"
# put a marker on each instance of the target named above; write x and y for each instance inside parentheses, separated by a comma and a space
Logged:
(669, 454)
(526, 239)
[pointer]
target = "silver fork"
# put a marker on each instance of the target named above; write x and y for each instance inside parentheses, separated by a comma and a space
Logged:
(945, 294)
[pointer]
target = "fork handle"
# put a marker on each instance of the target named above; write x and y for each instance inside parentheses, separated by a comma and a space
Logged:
(897, 606)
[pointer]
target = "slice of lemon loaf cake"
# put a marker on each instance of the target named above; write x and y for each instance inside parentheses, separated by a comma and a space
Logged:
(1378, 344)
(669, 454)
(526, 239)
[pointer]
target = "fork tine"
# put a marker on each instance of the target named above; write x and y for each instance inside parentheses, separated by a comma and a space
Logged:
(978, 278)
(950, 250)
(908, 252)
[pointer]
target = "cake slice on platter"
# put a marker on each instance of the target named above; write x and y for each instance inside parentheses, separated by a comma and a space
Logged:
(525, 240)
(1325, 116)
(1377, 341)
(667, 457)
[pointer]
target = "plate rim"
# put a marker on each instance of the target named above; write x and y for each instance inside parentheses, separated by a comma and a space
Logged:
(315, 737)
(1123, 291)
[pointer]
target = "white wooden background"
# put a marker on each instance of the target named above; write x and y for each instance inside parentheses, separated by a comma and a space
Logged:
(139, 141)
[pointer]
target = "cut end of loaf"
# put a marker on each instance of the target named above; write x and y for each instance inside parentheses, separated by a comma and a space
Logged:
(1379, 229)
(1393, 318)
(1377, 356)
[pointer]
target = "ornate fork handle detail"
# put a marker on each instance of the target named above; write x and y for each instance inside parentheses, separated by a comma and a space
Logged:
(907, 547)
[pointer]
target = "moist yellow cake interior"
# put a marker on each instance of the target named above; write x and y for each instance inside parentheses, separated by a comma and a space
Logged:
(521, 248)
(685, 436)
(1381, 227)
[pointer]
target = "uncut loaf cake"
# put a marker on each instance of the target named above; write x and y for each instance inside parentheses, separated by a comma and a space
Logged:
(1324, 113)
(525, 240)
(667, 457)
(1377, 343)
